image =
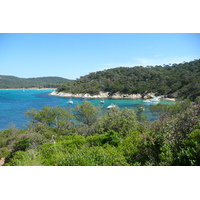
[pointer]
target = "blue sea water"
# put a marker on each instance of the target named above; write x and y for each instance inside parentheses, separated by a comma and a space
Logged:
(14, 103)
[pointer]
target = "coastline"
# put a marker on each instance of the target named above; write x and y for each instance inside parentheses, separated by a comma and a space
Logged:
(101, 95)
(169, 99)
(105, 95)
(28, 88)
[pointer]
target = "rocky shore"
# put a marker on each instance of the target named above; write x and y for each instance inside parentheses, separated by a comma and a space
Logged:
(105, 95)
(101, 95)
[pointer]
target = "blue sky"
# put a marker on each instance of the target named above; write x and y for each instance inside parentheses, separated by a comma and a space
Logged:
(71, 55)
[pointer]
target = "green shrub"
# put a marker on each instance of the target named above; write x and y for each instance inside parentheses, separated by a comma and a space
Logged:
(28, 158)
(22, 145)
(121, 121)
(94, 156)
(190, 152)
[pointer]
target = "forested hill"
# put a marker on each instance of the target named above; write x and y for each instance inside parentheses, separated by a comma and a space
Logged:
(174, 80)
(16, 82)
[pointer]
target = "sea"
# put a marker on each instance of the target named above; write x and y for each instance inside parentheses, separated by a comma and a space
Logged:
(14, 103)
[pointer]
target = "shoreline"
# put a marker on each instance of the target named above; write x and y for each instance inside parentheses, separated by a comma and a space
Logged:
(105, 95)
(28, 89)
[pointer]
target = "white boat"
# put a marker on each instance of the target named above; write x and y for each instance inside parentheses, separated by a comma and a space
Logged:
(155, 100)
(147, 101)
(102, 101)
(70, 101)
(111, 106)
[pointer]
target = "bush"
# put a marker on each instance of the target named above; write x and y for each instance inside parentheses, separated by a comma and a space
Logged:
(121, 121)
(22, 145)
(94, 156)
(111, 137)
(190, 153)
(28, 158)
(87, 113)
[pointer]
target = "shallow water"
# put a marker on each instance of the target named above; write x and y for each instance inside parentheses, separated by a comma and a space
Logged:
(14, 103)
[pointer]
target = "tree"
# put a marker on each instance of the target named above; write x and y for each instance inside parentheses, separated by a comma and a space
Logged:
(121, 121)
(58, 118)
(87, 113)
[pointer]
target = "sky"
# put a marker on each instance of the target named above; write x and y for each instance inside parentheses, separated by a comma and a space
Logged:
(71, 55)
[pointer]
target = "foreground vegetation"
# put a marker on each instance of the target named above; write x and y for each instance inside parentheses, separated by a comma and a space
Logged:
(90, 136)
(174, 80)
(41, 82)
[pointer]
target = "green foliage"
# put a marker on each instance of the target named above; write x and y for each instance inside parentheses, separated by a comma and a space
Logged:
(166, 156)
(41, 82)
(58, 118)
(190, 153)
(22, 145)
(94, 156)
(176, 80)
(87, 113)
(96, 140)
(122, 121)
(117, 139)
(28, 158)
(140, 113)
(129, 148)
(164, 110)
(111, 137)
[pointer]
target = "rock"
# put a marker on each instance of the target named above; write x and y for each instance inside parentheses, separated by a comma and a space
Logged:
(149, 96)
(101, 95)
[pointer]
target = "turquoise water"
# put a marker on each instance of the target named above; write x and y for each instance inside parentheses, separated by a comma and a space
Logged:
(14, 103)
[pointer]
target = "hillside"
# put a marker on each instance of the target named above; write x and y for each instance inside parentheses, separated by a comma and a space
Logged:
(173, 80)
(16, 82)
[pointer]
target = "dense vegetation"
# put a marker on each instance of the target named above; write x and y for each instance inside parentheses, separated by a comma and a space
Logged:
(41, 82)
(88, 135)
(173, 80)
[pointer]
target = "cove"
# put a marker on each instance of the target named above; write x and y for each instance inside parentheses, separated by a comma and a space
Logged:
(14, 103)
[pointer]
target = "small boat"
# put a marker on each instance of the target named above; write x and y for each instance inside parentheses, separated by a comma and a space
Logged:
(111, 106)
(155, 100)
(147, 101)
(102, 101)
(70, 101)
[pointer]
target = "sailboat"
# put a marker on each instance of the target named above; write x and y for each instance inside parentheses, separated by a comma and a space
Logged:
(70, 100)
(102, 101)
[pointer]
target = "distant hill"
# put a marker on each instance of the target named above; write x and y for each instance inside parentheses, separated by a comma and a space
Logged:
(173, 80)
(40, 82)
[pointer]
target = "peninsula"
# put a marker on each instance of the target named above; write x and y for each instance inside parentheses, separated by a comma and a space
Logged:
(168, 81)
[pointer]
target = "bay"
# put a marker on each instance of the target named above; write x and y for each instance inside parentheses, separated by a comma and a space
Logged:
(14, 103)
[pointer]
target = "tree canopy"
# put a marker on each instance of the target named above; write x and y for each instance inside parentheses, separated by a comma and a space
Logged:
(60, 137)
(16, 82)
(173, 80)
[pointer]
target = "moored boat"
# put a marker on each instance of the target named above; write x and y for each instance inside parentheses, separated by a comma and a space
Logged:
(111, 106)
(155, 100)
(147, 101)
(70, 101)
(102, 101)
